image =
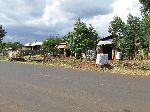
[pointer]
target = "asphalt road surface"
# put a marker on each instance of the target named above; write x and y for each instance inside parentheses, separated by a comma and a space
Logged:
(29, 88)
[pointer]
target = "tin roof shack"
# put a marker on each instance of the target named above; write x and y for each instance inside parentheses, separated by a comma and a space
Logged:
(63, 49)
(105, 46)
(34, 47)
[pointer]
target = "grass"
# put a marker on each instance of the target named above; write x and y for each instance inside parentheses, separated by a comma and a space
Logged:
(141, 68)
(129, 71)
(133, 67)
(3, 58)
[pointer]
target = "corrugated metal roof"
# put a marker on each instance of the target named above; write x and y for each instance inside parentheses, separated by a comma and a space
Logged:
(36, 43)
(110, 41)
(27, 44)
(33, 44)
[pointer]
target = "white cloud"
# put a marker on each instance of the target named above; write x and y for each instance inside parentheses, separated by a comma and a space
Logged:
(38, 19)
(86, 9)
(122, 8)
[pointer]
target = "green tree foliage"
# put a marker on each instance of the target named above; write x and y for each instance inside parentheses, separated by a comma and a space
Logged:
(116, 29)
(14, 46)
(2, 46)
(17, 45)
(50, 43)
(131, 37)
(146, 34)
(2, 33)
(146, 7)
(82, 38)
(9, 45)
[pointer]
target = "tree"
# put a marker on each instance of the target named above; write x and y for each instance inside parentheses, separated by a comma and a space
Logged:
(146, 6)
(2, 33)
(2, 46)
(50, 43)
(128, 37)
(9, 45)
(145, 9)
(116, 29)
(82, 38)
(14, 46)
(17, 45)
(146, 34)
(133, 37)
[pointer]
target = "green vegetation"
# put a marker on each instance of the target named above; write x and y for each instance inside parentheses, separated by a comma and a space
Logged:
(133, 37)
(141, 68)
(2, 46)
(145, 9)
(82, 38)
(2, 58)
(116, 29)
(2, 33)
(50, 43)
(14, 46)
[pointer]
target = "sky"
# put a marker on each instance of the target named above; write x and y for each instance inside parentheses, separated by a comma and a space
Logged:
(30, 20)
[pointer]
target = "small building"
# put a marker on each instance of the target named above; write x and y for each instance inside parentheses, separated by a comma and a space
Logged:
(34, 47)
(63, 49)
(105, 46)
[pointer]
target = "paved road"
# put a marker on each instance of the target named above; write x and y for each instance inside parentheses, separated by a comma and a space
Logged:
(29, 88)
